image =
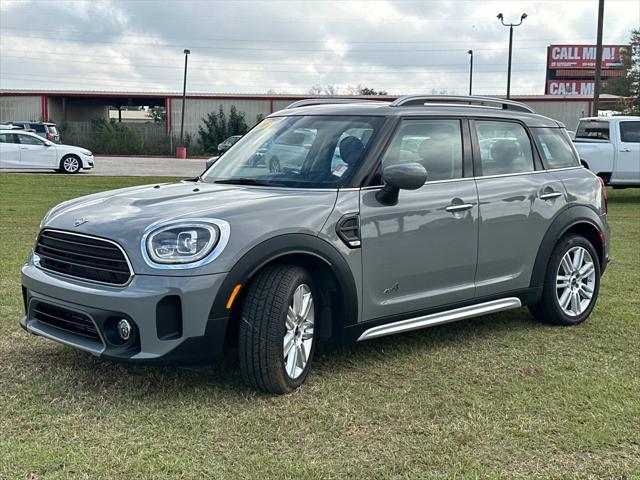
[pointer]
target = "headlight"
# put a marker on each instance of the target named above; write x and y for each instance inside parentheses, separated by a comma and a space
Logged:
(182, 243)
(87, 153)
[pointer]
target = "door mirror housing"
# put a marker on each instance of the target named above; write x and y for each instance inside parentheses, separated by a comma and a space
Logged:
(47, 143)
(403, 176)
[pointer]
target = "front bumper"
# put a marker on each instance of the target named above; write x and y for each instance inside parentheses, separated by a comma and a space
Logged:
(171, 315)
(88, 162)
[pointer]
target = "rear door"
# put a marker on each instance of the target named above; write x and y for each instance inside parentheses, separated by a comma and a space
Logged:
(627, 167)
(421, 253)
(9, 151)
(518, 200)
(35, 153)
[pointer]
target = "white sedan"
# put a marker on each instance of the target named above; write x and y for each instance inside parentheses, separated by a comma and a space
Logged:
(27, 151)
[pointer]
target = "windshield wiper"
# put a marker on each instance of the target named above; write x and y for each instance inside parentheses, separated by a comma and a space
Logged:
(249, 181)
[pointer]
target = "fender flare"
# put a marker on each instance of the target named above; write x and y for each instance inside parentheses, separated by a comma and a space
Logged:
(280, 246)
(565, 220)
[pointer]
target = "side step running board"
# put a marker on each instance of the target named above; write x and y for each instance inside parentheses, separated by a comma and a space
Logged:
(441, 317)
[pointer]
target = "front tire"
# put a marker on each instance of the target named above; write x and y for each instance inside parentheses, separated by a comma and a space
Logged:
(70, 164)
(571, 285)
(277, 335)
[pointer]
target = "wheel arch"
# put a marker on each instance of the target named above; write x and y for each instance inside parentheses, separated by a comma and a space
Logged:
(580, 220)
(68, 155)
(337, 286)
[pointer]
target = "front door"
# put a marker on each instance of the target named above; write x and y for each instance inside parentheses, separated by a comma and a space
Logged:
(35, 153)
(627, 168)
(421, 253)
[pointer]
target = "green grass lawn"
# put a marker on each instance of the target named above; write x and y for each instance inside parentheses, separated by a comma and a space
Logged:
(498, 396)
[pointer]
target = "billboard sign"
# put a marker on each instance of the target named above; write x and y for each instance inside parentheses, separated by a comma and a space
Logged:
(570, 87)
(584, 56)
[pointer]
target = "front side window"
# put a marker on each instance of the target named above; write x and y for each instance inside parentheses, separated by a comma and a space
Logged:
(504, 148)
(297, 151)
(436, 144)
(593, 129)
(6, 138)
(630, 132)
(29, 140)
(557, 149)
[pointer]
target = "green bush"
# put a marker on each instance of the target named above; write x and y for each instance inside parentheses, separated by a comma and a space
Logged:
(217, 128)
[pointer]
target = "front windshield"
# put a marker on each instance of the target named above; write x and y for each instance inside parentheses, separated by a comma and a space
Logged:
(297, 151)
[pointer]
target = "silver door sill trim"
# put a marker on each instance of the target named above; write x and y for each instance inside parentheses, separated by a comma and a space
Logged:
(441, 317)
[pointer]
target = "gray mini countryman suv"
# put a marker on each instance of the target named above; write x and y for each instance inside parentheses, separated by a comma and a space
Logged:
(330, 220)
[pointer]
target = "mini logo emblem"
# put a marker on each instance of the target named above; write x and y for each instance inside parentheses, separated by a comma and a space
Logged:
(79, 221)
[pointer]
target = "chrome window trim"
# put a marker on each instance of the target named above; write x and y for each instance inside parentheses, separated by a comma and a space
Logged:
(223, 227)
(36, 259)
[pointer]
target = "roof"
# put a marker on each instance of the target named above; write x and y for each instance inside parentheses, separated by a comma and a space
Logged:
(385, 109)
(613, 117)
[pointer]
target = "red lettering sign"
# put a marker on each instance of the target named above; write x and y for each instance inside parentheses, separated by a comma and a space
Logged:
(584, 56)
(570, 87)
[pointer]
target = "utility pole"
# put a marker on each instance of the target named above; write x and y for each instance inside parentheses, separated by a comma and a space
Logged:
(596, 84)
(184, 96)
(510, 25)
(470, 52)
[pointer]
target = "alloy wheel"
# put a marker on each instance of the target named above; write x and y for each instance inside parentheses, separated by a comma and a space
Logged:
(70, 164)
(298, 337)
(575, 281)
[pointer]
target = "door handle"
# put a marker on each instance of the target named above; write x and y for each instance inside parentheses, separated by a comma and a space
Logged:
(459, 208)
(625, 150)
(550, 195)
(24, 148)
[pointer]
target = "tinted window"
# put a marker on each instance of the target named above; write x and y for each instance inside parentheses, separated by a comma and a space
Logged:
(504, 148)
(630, 132)
(593, 129)
(39, 128)
(436, 144)
(6, 138)
(29, 140)
(557, 150)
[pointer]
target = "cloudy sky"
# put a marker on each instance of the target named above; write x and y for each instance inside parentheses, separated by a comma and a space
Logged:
(247, 46)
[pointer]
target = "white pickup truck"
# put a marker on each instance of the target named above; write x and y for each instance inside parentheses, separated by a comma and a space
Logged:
(610, 148)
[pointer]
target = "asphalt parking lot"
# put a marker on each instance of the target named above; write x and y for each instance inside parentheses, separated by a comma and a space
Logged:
(143, 166)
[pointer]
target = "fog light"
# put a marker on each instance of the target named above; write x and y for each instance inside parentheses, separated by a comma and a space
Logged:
(124, 329)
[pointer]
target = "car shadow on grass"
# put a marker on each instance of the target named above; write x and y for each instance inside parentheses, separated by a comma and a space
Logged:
(73, 372)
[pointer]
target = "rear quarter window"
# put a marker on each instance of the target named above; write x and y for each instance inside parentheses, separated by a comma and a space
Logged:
(556, 148)
(593, 129)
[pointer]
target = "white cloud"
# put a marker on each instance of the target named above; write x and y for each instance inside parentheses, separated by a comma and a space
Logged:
(288, 46)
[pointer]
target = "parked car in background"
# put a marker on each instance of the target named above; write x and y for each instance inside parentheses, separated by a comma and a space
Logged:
(20, 149)
(46, 130)
(391, 220)
(610, 148)
(228, 143)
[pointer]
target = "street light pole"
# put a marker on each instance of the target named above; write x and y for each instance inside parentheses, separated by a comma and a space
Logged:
(184, 96)
(470, 52)
(598, 72)
(510, 25)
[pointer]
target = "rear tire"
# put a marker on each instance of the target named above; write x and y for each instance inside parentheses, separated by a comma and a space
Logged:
(571, 283)
(70, 164)
(277, 331)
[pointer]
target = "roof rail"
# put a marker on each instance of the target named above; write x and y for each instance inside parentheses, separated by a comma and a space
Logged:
(326, 101)
(461, 100)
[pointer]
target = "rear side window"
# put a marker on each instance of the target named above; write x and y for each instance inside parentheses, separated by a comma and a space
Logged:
(436, 144)
(557, 150)
(630, 132)
(504, 148)
(6, 138)
(593, 129)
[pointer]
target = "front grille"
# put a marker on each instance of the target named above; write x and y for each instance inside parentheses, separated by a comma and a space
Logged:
(64, 319)
(84, 257)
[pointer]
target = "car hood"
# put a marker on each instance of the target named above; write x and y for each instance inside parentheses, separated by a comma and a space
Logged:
(71, 148)
(253, 213)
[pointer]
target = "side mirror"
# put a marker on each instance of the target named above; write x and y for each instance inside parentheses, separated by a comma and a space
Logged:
(47, 143)
(404, 176)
